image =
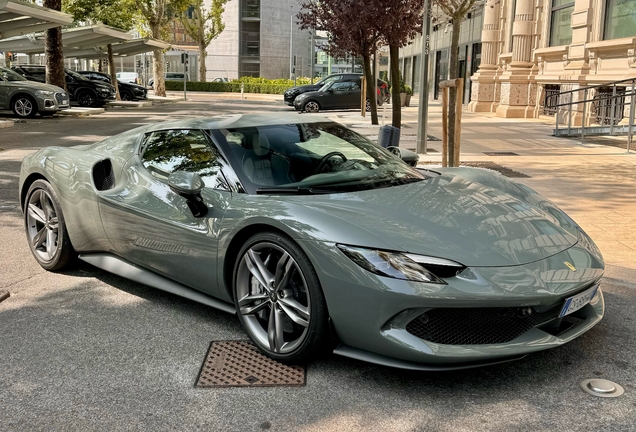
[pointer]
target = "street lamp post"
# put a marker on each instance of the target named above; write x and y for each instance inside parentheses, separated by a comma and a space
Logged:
(422, 125)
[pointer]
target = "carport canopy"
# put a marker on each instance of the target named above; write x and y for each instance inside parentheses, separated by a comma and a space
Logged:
(132, 47)
(18, 18)
(77, 42)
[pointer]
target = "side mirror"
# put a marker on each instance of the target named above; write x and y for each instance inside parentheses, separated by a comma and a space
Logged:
(189, 186)
(409, 157)
(330, 91)
(395, 150)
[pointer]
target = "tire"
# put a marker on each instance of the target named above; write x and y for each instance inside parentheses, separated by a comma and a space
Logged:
(311, 107)
(24, 106)
(126, 95)
(287, 324)
(86, 98)
(44, 223)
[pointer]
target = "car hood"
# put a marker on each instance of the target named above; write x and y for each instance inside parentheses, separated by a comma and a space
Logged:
(35, 85)
(489, 223)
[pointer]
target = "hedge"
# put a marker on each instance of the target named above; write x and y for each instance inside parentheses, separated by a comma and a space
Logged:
(250, 85)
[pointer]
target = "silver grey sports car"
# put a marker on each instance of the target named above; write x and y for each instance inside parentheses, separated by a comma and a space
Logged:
(320, 240)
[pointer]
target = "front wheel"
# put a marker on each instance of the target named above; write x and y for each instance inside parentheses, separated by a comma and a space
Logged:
(45, 227)
(279, 300)
(25, 107)
(311, 107)
(86, 99)
(126, 95)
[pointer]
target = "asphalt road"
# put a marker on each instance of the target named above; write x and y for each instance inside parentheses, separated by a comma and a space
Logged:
(86, 350)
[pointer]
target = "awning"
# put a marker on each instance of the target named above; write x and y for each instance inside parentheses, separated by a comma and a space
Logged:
(18, 18)
(131, 48)
(77, 42)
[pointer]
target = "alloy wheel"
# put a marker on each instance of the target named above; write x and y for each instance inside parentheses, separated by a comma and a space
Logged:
(85, 99)
(42, 225)
(312, 107)
(273, 298)
(23, 107)
(125, 96)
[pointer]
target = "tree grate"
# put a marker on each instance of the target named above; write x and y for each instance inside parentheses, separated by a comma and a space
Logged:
(240, 364)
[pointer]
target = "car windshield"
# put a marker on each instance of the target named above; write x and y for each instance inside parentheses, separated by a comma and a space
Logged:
(328, 80)
(76, 75)
(323, 157)
(9, 75)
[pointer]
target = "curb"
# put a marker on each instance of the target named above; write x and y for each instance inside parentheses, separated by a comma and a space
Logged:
(129, 104)
(6, 123)
(81, 112)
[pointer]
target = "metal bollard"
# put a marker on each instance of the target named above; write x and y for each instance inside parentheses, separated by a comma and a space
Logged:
(613, 108)
(584, 116)
(570, 116)
(631, 117)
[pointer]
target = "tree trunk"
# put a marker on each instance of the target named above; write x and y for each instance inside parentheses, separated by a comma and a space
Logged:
(112, 71)
(203, 70)
(160, 84)
(7, 62)
(54, 50)
(396, 104)
(371, 84)
(452, 94)
(100, 68)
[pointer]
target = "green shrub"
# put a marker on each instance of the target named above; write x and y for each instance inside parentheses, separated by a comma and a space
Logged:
(249, 86)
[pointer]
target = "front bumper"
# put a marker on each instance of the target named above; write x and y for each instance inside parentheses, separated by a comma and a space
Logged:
(370, 313)
(289, 99)
(53, 103)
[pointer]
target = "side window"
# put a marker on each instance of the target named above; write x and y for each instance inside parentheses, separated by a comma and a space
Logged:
(341, 86)
(182, 150)
(355, 86)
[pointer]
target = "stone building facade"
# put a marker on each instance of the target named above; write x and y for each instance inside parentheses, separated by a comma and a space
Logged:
(532, 49)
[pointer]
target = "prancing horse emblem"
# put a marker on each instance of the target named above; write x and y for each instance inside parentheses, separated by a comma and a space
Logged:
(570, 266)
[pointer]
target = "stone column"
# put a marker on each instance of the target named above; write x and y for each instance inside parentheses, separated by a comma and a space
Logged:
(483, 82)
(518, 89)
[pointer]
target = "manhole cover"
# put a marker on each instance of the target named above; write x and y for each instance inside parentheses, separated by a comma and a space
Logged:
(501, 154)
(240, 364)
(601, 388)
(4, 295)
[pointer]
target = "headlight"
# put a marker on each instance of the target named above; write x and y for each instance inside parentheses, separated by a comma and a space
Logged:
(44, 93)
(397, 265)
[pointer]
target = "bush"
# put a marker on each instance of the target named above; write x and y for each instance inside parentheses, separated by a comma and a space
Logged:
(250, 85)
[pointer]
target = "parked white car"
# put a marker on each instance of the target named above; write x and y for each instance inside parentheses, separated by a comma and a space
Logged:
(128, 77)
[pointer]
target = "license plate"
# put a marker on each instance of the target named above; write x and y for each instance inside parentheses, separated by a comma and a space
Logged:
(64, 101)
(576, 302)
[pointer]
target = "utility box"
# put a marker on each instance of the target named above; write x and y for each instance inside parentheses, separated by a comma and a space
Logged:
(389, 136)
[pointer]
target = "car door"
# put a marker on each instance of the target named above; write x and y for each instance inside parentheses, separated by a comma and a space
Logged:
(152, 226)
(341, 94)
(353, 96)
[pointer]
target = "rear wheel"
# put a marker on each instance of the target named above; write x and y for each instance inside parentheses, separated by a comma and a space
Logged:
(45, 227)
(311, 107)
(279, 300)
(24, 106)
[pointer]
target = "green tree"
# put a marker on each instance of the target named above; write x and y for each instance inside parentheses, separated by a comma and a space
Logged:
(114, 13)
(204, 26)
(154, 14)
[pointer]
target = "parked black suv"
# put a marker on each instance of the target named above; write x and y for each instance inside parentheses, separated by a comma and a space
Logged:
(127, 91)
(84, 92)
(290, 94)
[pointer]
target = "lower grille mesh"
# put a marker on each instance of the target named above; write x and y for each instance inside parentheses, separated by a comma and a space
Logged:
(476, 326)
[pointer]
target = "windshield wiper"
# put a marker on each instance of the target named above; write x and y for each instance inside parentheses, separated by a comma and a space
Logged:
(293, 190)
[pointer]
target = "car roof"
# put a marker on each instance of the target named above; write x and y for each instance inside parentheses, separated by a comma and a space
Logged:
(236, 121)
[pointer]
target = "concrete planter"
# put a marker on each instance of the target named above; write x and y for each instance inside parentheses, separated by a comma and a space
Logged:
(407, 101)
(402, 99)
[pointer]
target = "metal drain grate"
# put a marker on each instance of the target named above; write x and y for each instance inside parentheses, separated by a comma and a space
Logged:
(500, 154)
(240, 364)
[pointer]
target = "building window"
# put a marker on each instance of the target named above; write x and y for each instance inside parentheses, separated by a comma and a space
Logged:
(620, 19)
(561, 22)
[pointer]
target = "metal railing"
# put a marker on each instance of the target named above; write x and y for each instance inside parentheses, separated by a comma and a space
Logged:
(607, 104)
